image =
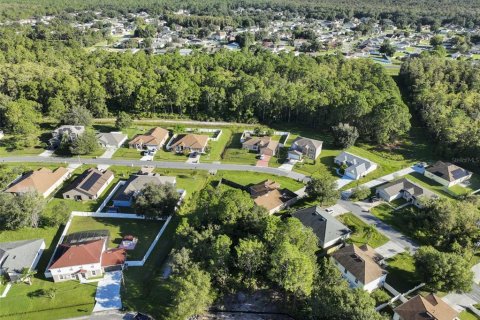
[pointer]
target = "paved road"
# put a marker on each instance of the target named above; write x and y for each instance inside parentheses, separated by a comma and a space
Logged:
(386, 229)
(159, 164)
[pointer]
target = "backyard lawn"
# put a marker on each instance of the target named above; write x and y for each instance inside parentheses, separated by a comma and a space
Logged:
(144, 230)
(359, 236)
(429, 184)
(401, 272)
(467, 315)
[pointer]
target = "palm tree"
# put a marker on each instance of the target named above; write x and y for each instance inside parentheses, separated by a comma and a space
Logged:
(368, 231)
(27, 274)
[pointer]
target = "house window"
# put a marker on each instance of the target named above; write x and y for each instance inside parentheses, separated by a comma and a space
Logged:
(345, 270)
(94, 273)
(356, 280)
(61, 277)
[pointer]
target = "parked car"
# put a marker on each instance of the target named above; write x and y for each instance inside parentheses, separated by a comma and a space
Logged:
(261, 157)
(193, 155)
(329, 210)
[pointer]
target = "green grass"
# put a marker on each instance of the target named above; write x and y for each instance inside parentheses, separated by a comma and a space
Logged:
(429, 184)
(6, 152)
(127, 153)
(401, 272)
(217, 147)
(467, 315)
(144, 230)
(358, 235)
(247, 177)
(239, 156)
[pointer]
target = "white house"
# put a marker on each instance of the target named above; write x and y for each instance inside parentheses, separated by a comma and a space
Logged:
(111, 139)
(447, 174)
(360, 266)
(406, 189)
(357, 167)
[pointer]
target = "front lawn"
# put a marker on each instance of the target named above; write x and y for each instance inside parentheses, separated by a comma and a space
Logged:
(401, 272)
(359, 235)
(144, 230)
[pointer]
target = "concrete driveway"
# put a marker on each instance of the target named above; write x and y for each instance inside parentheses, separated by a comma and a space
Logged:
(108, 292)
(264, 162)
(108, 154)
(195, 159)
(46, 153)
(287, 166)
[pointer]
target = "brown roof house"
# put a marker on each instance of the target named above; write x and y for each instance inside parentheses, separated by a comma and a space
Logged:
(89, 185)
(43, 181)
(84, 255)
(305, 147)
(263, 145)
(190, 143)
(447, 174)
(429, 307)
(360, 266)
(406, 189)
(154, 140)
(268, 194)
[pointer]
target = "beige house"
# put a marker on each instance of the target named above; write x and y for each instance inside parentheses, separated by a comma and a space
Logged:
(305, 147)
(190, 143)
(447, 174)
(43, 181)
(263, 145)
(428, 307)
(154, 140)
(268, 194)
(360, 266)
(89, 185)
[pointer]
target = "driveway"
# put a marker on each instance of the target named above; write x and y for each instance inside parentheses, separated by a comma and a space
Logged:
(264, 162)
(47, 153)
(108, 292)
(108, 154)
(287, 166)
(195, 159)
(389, 249)
(394, 235)
(343, 181)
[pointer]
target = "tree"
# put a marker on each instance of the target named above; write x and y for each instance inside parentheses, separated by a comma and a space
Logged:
(193, 294)
(292, 269)
(77, 116)
(26, 275)
(443, 271)
(344, 135)
(436, 40)
(323, 188)
(250, 256)
(245, 40)
(123, 121)
(21, 118)
(156, 200)
(387, 48)
(360, 193)
(86, 143)
(20, 211)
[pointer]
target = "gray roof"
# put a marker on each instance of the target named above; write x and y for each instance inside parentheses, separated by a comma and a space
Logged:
(356, 165)
(303, 142)
(397, 186)
(16, 255)
(325, 226)
(112, 138)
(137, 182)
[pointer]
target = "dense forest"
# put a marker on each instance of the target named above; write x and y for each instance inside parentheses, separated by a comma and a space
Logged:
(232, 86)
(445, 94)
(405, 12)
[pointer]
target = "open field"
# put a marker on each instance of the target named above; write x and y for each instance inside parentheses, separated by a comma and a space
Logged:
(246, 178)
(144, 230)
(359, 236)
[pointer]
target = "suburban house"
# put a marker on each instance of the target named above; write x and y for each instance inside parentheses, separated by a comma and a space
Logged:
(360, 266)
(111, 139)
(43, 181)
(263, 145)
(406, 189)
(84, 255)
(16, 256)
(268, 194)
(190, 143)
(428, 307)
(135, 184)
(329, 231)
(154, 140)
(447, 174)
(305, 147)
(71, 132)
(357, 167)
(89, 185)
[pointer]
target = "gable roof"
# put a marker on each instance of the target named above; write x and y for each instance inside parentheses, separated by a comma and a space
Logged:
(113, 257)
(448, 171)
(137, 182)
(403, 184)
(153, 137)
(360, 261)
(272, 145)
(307, 142)
(16, 255)
(357, 165)
(324, 225)
(112, 138)
(270, 200)
(264, 186)
(70, 255)
(192, 141)
(90, 181)
(40, 180)
(428, 307)
(261, 141)
(69, 129)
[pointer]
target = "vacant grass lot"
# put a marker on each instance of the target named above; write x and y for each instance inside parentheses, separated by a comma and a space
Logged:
(127, 153)
(401, 272)
(239, 156)
(247, 178)
(359, 235)
(144, 230)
